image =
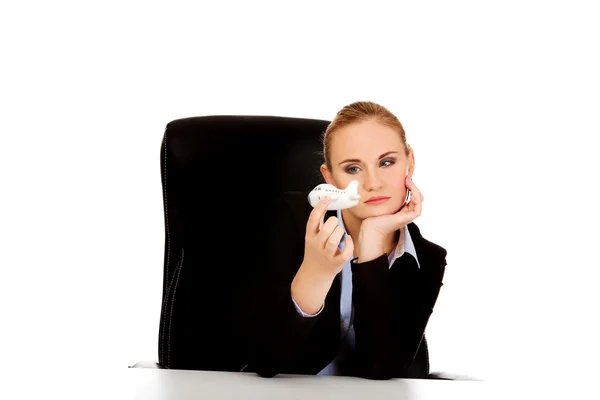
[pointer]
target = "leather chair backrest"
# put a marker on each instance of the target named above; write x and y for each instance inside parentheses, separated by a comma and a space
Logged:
(220, 175)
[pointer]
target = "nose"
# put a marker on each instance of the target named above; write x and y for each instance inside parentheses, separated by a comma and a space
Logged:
(371, 180)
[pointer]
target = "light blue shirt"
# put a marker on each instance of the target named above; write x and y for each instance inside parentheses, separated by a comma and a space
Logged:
(405, 244)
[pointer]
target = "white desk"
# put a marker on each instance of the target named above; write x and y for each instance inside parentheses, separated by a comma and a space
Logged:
(162, 384)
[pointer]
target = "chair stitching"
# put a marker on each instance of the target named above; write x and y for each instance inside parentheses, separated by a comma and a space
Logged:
(165, 302)
(166, 280)
(172, 304)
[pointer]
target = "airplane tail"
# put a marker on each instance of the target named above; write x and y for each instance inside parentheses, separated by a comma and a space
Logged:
(352, 190)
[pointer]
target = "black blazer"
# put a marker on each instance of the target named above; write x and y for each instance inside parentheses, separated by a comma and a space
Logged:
(391, 306)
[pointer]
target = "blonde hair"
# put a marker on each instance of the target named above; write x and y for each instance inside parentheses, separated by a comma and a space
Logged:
(358, 112)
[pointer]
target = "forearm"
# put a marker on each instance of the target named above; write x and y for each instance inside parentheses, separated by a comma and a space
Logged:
(282, 333)
(373, 317)
(392, 309)
(285, 331)
(309, 288)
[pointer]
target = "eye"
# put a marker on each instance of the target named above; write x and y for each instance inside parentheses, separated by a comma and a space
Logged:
(352, 169)
(388, 162)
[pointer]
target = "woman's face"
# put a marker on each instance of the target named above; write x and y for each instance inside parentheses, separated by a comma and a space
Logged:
(374, 155)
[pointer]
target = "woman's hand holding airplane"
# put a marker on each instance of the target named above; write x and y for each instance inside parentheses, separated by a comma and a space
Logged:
(322, 240)
(323, 259)
(375, 230)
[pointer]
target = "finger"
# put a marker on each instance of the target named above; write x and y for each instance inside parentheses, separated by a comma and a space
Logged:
(326, 230)
(416, 194)
(408, 213)
(405, 218)
(315, 219)
(415, 210)
(333, 241)
(348, 249)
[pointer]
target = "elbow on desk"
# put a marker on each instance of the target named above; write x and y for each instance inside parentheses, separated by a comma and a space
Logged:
(266, 373)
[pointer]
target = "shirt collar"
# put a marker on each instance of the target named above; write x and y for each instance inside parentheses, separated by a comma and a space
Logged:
(405, 245)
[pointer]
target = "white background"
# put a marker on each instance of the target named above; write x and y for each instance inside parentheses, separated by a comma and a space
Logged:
(499, 100)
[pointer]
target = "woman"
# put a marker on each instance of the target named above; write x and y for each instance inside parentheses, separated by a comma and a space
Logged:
(350, 292)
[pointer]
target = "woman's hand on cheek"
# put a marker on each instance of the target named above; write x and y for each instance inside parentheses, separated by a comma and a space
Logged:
(375, 230)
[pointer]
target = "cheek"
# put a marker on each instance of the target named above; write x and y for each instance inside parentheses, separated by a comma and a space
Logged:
(397, 188)
(397, 203)
(341, 181)
(396, 180)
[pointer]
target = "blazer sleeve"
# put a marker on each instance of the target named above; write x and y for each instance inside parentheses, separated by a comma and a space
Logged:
(392, 307)
(282, 332)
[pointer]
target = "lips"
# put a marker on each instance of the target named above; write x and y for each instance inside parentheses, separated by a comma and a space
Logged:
(377, 200)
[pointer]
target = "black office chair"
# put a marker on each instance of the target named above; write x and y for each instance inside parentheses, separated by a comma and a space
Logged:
(214, 169)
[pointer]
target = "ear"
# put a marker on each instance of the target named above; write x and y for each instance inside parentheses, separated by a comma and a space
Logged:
(327, 174)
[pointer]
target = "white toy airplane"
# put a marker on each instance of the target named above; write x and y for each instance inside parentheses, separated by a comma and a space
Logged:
(340, 198)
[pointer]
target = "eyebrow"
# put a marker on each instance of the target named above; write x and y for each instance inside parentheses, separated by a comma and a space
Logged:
(349, 160)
